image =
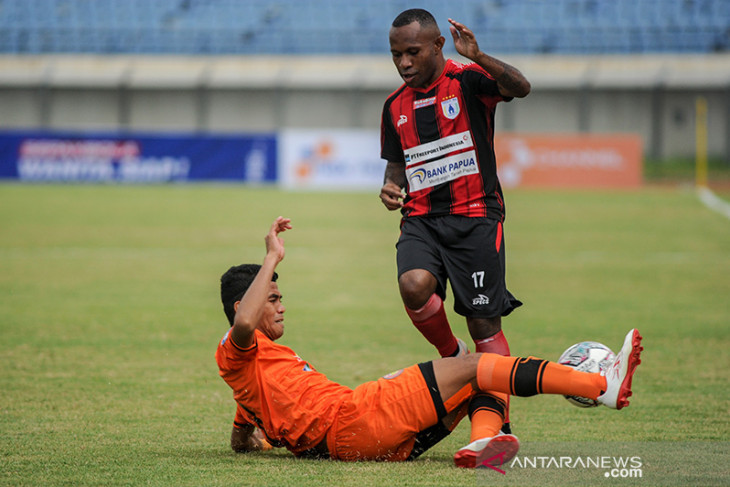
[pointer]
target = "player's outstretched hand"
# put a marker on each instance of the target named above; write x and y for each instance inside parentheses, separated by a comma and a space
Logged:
(274, 243)
(391, 195)
(464, 40)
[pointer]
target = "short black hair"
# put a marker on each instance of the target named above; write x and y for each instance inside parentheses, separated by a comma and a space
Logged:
(234, 284)
(419, 15)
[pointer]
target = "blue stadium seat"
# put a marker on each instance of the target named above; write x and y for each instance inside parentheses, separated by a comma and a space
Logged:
(344, 26)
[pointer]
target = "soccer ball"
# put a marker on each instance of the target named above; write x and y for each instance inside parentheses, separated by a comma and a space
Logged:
(586, 357)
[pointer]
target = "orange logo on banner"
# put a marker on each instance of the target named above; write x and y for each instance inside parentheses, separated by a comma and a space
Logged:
(561, 161)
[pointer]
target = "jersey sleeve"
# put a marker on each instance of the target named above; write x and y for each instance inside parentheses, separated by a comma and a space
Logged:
(240, 420)
(483, 85)
(232, 357)
(390, 146)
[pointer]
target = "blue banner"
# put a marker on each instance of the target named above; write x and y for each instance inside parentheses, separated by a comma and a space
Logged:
(41, 156)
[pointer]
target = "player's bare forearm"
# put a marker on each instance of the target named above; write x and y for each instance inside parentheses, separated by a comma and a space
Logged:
(510, 81)
(391, 194)
(247, 439)
(395, 173)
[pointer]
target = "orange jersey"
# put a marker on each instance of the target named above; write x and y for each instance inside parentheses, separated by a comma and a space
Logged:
(279, 392)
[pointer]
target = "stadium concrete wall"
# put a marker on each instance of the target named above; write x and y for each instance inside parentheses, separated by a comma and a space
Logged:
(653, 96)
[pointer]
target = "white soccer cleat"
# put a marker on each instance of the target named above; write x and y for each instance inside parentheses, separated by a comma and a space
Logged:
(493, 450)
(621, 371)
(463, 349)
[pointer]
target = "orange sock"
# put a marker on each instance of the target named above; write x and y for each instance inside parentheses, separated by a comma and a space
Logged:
(530, 376)
(498, 344)
(486, 412)
(560, 378)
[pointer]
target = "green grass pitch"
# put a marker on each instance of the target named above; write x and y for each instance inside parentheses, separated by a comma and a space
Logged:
(110, 316)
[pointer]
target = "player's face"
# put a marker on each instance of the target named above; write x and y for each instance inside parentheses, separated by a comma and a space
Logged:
(272, 318)
(417, 54)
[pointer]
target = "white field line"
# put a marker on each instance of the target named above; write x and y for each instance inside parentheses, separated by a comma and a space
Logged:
(711, 201)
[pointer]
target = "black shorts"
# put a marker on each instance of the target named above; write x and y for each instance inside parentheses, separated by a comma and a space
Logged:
(468, 252)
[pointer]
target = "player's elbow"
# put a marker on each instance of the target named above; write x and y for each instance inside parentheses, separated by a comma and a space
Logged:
(528, 88)
(240, 442)
(523, 89)
(238, 446)
(244, 448)
(243, 323)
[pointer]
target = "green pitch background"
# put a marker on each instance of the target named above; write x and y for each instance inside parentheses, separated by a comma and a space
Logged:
(110, 316)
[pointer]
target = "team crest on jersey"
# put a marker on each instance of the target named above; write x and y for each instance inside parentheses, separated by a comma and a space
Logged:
(450, 107)
(307, 367)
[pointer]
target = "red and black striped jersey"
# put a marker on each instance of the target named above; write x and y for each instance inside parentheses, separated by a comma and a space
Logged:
(444, 136)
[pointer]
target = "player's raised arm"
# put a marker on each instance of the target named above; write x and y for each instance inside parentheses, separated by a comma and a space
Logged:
(249, 309)
(509, 79)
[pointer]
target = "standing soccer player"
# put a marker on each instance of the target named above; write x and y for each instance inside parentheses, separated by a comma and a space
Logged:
(437, 138)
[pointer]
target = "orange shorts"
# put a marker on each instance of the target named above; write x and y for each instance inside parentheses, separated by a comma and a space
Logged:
(382, 419)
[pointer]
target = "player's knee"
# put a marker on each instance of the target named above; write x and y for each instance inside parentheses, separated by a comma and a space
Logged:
(416, 288)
